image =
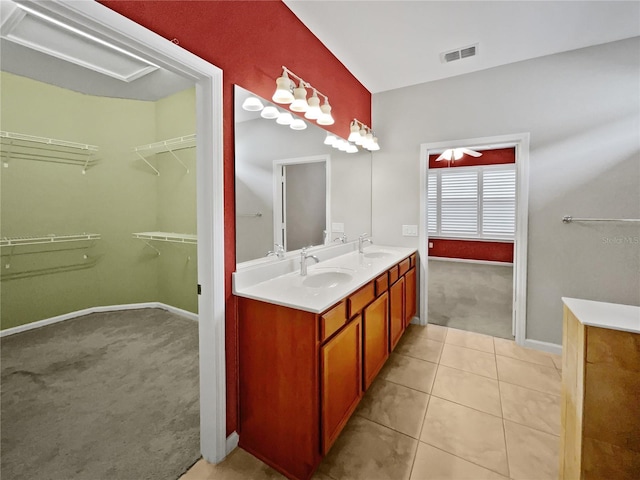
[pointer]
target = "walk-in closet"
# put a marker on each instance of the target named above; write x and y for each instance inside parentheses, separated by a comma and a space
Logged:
(98, 260)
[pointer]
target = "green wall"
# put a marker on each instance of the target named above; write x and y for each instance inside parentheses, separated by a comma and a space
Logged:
(116, 197)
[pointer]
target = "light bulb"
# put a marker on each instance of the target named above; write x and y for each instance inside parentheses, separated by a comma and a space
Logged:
(270, 112)
(326, 118)
(355, 132)
(300, 95)
(363, 136)
(457, 153)
(298, 124)
(313, 112)
(285, 118)
(330, 139)
(283, 89)
(252, 104)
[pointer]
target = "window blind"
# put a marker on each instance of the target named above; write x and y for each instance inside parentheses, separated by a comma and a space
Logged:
(432, 204)
(499, 202)
(459, 203)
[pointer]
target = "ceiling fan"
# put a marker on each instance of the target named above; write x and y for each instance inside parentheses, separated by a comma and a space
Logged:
(457, 153)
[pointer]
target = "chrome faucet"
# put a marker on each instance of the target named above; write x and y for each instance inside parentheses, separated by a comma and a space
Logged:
(361, 239)
(278, 251)
(303, 261)
(342, 238)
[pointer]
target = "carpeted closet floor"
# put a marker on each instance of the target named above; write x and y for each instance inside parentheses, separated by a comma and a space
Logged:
(107, 396)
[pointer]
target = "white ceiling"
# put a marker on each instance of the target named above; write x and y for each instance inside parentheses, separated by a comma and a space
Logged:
(394, 44)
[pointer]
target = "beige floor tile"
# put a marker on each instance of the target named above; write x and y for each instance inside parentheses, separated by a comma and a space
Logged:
(367, 451)
(431, 331)
(320, 476)
(394, 406)
(533, 455)
(410, 372)
(476, 341)
(532, 408)
(468, 389)
(239, 465)
(434, 464)
(509, 348)
(467, 433)
(529, 375)
(421, 347)
(474, 361)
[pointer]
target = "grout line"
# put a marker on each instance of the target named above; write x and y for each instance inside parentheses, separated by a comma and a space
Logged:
(407, 386)
(504, 431)
(385, 426)
(527, 361)
(414, 358)
(415, 454)
(531, 388)
(466, 406)
(462, 458)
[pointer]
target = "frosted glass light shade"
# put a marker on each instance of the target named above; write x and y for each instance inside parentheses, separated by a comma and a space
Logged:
(326, 118)
(374, 145)
(283, 90)
(351, 148)
(344, 145)
(299, 103)
(330, 139)
(252, 104)
(362, 137)
(355, 132)
(285, 118)
(298, 124)
(270, 112)
(314, 111)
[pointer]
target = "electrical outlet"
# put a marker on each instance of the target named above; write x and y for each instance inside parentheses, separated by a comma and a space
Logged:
(337, 227)
(409, 230)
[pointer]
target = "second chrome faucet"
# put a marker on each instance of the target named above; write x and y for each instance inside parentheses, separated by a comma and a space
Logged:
(304, 255)
(361, 240)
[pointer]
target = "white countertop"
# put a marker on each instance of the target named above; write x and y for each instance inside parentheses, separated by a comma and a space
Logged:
(613, 316)
(288, 290)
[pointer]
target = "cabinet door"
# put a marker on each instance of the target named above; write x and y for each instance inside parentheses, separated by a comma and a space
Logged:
(410, 296)
(375, 331)
(341, 387)
(396, 312)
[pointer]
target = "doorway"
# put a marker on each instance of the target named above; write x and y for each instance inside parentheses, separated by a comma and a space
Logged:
(95, 19)
(520, 142)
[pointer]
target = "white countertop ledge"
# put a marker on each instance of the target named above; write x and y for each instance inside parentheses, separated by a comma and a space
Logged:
(613, 316)
(288, 290)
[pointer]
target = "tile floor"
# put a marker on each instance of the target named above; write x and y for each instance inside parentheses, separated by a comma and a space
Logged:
(448, 404)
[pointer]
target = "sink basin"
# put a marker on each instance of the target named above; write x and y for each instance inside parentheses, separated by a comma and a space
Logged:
(377, 254)
(327, 279)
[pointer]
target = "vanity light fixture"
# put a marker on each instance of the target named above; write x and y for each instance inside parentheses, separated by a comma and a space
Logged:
(362, 135)
(298, 124)
(270, 112)
(252, 104)
(330, 139)
(351, 148)
(286, 93)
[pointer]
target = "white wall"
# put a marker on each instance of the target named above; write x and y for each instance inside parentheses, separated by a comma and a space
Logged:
(582, 109)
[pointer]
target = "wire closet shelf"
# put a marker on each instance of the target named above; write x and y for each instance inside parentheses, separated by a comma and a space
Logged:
(171, 146)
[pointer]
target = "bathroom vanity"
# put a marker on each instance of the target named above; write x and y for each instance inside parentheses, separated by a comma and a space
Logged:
(310, 346)
(600, 407)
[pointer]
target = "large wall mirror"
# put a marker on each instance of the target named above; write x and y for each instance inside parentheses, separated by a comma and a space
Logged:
(291, 188)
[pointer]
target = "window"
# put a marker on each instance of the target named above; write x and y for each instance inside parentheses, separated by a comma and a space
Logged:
(472, 202)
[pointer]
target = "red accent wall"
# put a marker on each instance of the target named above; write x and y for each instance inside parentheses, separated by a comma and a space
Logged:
(474, 249)
(489, 157)
(250, 41)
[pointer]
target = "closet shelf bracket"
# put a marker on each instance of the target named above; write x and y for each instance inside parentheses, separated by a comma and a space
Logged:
(166, 146)
(147, 237)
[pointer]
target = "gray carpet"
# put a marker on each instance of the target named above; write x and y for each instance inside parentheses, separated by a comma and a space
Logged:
(471, 296)
(107, 396)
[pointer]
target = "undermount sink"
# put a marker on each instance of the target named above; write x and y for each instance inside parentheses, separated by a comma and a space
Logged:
(327, 278)
(380, 254)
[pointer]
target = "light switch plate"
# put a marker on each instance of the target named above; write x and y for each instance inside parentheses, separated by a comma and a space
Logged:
(430, 244)
(337, 227)
(409, 230)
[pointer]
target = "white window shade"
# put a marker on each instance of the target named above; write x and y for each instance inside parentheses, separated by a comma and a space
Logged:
(499, 202)
(432, 204)
(459, 203)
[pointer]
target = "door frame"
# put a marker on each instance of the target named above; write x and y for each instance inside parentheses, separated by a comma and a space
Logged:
(279, 201)
(93, 17)
(521, 143)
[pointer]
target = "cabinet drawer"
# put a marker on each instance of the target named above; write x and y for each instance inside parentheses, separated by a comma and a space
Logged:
(332, 320)
(404, 266)
(393, 274)
(363, 297)
(414, 259)
(382, 283)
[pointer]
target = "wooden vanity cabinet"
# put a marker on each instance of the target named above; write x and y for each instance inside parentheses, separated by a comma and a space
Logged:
(341, 386)
(376, 337)
(396, 312)
(410, 296)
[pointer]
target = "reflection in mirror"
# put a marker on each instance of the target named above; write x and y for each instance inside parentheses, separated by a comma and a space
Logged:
(292, 189)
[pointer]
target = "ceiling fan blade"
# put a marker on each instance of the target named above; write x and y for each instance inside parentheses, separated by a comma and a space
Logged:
(473, 153)
(442, 156)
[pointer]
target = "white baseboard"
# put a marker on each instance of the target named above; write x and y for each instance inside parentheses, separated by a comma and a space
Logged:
(105, 308)
(544, 346)
(468, 260)
(232, 442)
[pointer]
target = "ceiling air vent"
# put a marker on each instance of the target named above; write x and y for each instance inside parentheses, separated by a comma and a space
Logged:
(458, 53)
